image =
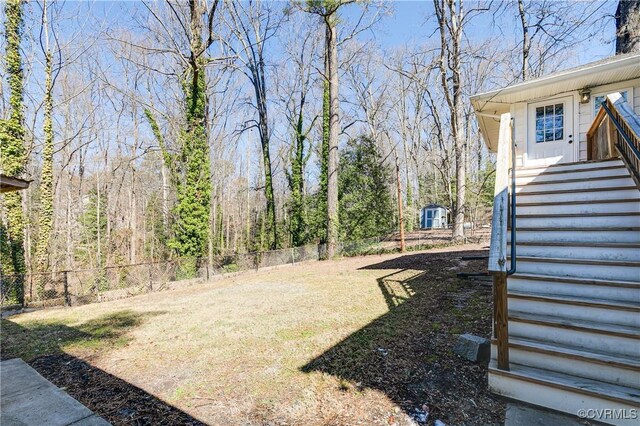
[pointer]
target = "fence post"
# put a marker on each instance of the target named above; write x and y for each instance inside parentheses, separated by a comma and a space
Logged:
(65, 283)
(207, 270)
(293, 256)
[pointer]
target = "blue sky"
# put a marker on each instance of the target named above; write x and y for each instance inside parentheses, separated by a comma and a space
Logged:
(412, 23)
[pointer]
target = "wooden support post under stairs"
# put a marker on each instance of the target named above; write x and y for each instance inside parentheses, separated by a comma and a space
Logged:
(498, 251)
(501, 318)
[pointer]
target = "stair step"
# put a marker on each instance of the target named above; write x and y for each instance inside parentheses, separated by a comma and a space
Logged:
(630, 305)
(569, 190)
(581, 287)
(612, 339)
(580, 268)
(579, 220)
(563, 392)
(583, 207)
(578, 249)
(571, 167)
(558, 175)
(576, 307)
(574, 234)
(575, 215)
(573, 203)
(571, 179)
(578, 185)
(627, 362)
(617, 370)
(580, 195)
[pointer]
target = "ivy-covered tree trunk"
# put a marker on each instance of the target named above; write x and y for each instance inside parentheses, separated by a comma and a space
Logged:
(332, 166)
(299, 225)
(324, 162)
(12, 153)
(45, 218)
(190, 166)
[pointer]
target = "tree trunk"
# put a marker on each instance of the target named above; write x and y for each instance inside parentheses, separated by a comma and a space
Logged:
(400, 216)
(12, 151)
(332, 170)
(526, 42)
(268, 176)
(45, 218)
(628, 26)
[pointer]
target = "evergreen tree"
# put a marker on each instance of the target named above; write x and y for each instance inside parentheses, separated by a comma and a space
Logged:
(366, 207)
(12, 151)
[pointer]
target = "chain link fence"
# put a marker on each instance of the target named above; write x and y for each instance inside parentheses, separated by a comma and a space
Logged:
(77, 287)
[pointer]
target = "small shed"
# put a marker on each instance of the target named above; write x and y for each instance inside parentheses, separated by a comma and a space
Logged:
(433, 216)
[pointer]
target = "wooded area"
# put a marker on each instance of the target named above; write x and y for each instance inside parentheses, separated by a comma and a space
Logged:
(156, 130)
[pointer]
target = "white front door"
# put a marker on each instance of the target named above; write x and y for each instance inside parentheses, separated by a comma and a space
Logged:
(550, 138)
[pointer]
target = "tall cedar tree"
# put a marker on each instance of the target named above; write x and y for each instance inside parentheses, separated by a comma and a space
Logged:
(366, 207)
(12, 152)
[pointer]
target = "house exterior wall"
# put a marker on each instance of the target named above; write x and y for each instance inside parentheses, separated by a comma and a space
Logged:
(583, 116)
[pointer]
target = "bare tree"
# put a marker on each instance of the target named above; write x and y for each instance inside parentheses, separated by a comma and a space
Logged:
(451, 17)
(253, 24)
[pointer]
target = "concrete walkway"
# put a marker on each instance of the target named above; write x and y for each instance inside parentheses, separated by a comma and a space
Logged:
(27, 398)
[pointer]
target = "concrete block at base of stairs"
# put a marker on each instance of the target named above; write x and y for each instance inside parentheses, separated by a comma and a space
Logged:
(524, 415)
(473, 348)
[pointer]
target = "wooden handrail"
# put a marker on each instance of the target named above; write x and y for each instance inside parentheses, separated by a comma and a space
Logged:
(498, 250)
(614, 133)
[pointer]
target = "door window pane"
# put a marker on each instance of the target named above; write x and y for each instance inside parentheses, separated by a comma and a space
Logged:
(550, 123)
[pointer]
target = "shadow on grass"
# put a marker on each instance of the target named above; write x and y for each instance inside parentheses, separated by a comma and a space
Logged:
(42, 345)
(35, 338)
(407, 352)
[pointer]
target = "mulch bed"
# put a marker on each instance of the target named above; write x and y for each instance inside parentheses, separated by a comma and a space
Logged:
(408, 352)
(115, 400)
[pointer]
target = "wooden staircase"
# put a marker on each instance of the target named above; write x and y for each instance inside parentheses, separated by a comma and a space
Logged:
(574, 300)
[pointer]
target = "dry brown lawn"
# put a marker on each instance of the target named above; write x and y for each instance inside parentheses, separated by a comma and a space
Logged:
(355, 341)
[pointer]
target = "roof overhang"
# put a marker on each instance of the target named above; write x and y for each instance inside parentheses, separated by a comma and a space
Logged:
(489, 105)
(10, 184)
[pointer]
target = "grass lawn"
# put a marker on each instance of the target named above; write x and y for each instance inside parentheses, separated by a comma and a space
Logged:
(355, 341)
